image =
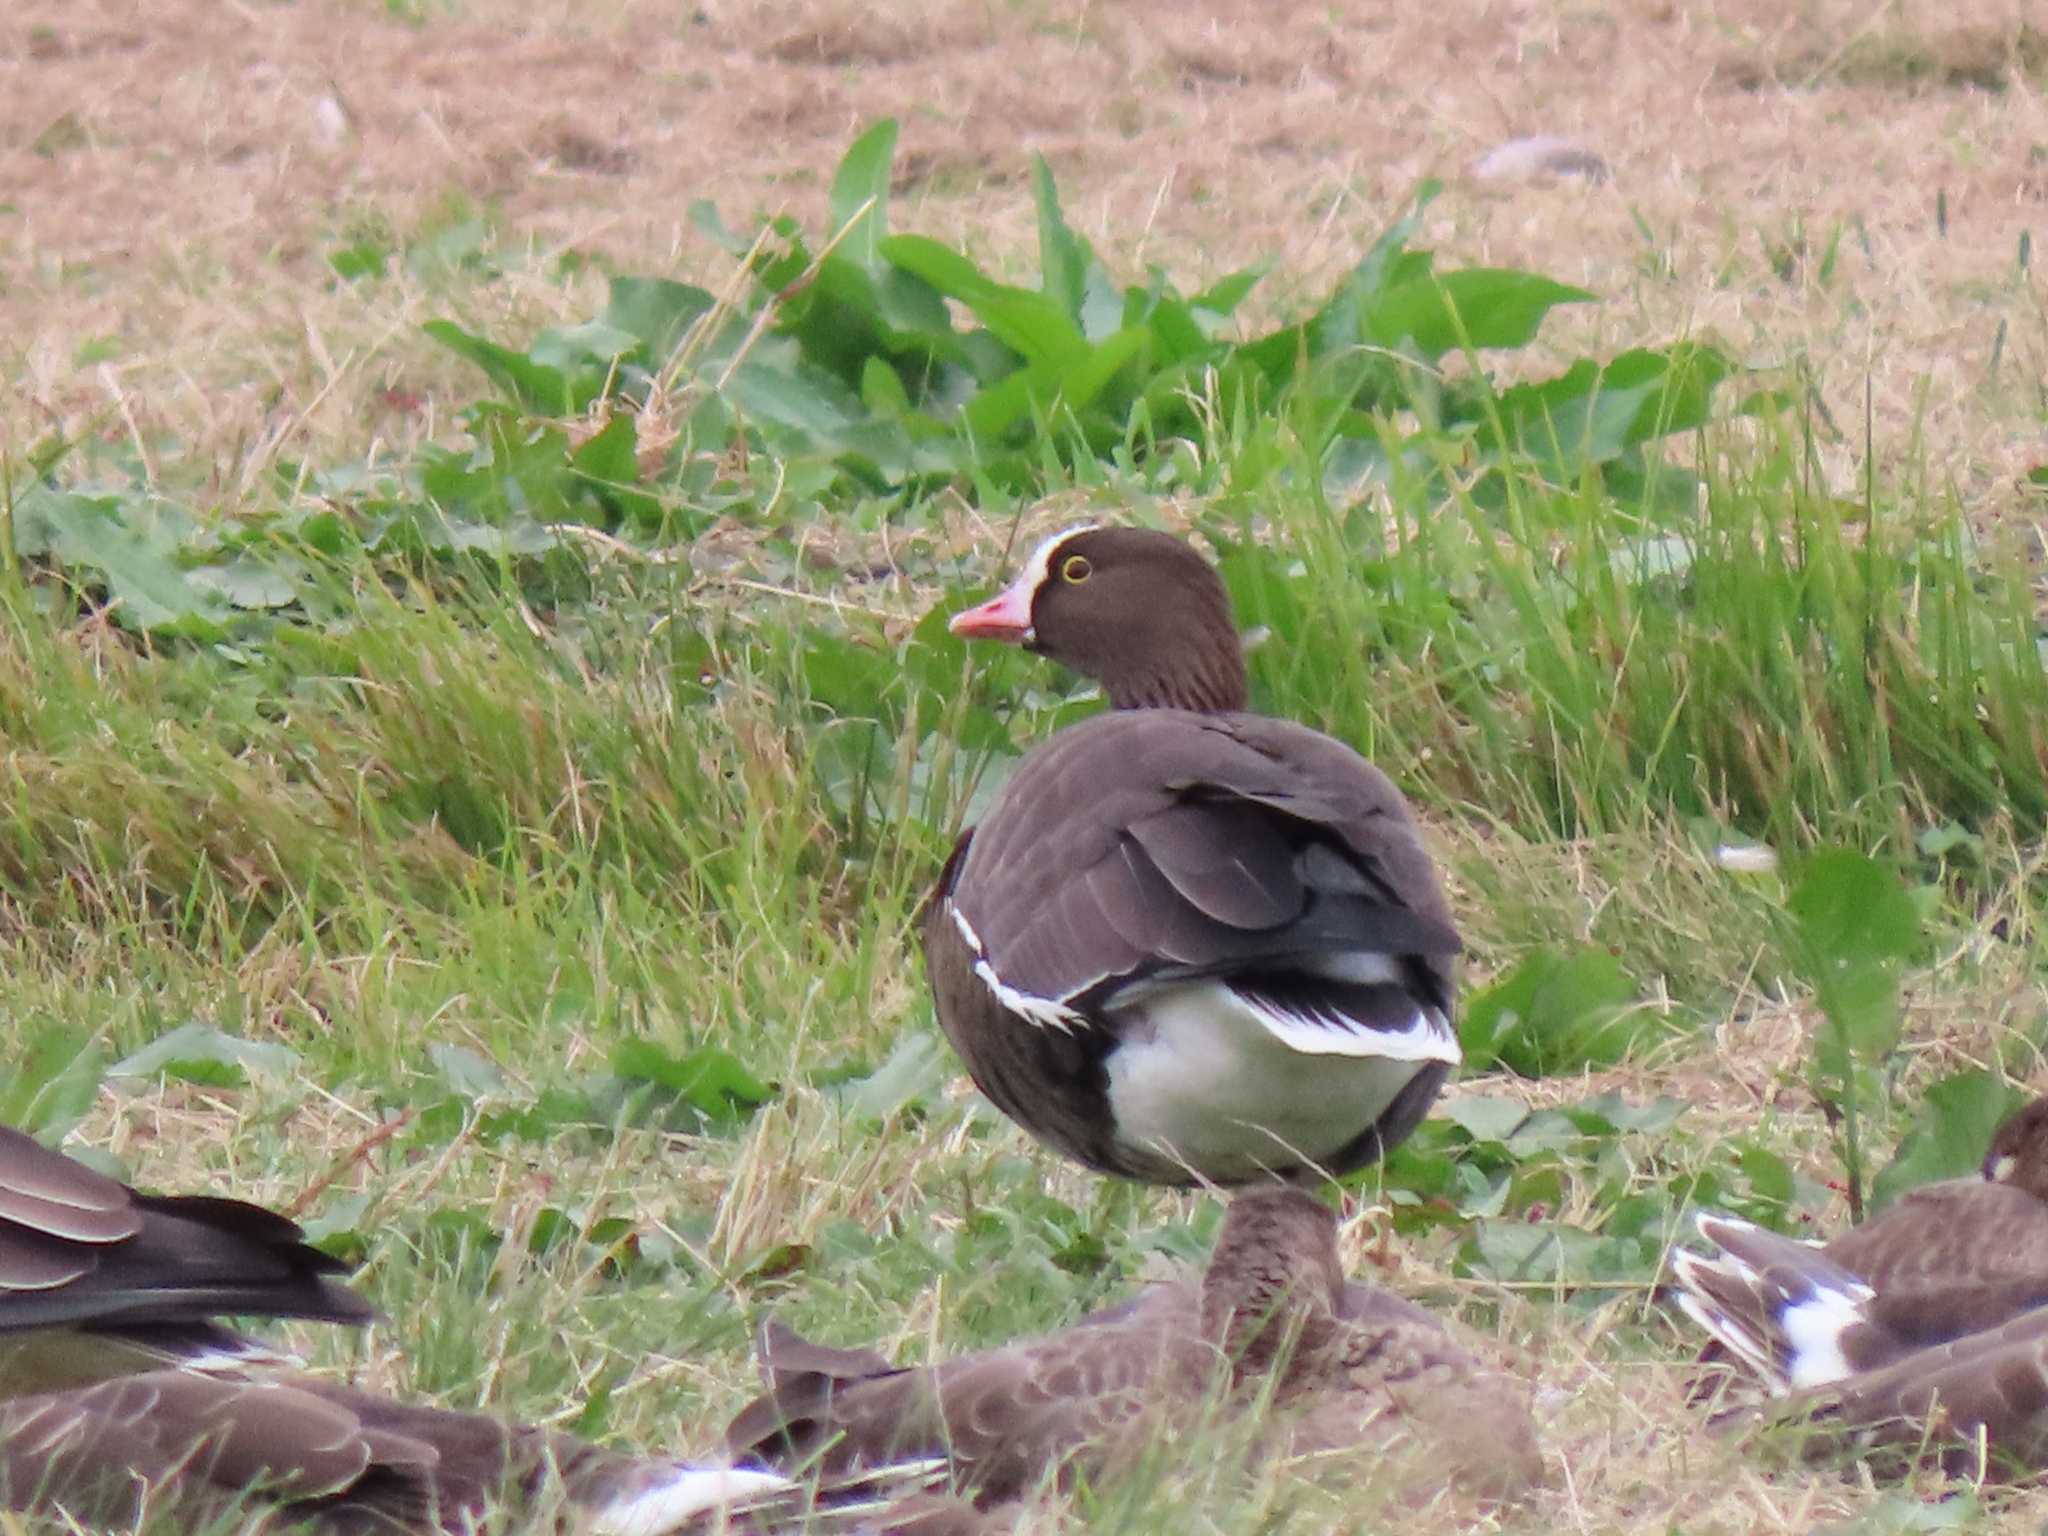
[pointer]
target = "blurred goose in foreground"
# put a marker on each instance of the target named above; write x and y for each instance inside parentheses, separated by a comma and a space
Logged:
(98, 1281)
(305, 1454)
(1951, 1258)
(1270, 1328)
(1188, 943)
(120, 1395)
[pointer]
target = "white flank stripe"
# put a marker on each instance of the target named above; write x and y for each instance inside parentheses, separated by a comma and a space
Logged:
(966, 930)
(689, 1493)
(1045, 1012)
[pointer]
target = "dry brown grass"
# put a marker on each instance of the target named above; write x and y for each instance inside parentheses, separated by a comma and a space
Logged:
(174, 175)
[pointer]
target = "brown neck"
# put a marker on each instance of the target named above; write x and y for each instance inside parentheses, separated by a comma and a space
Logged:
(1273, 1282)
(1208, 678)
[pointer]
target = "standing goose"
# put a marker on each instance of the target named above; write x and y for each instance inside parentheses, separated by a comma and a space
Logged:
(1270, 1325)
(1188, 943)
(120, 1392)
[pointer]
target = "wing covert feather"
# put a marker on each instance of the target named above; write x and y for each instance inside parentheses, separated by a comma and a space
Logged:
(1163, 836)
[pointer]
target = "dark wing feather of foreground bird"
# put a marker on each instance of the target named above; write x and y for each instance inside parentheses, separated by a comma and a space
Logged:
(121, 1392)
(98, 1280)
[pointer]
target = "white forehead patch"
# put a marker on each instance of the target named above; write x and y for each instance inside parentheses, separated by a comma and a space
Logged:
(1041, 557)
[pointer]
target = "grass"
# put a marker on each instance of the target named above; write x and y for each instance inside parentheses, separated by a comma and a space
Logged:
(490, 822)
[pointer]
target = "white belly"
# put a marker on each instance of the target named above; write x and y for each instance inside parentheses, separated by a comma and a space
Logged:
(1200, 1083)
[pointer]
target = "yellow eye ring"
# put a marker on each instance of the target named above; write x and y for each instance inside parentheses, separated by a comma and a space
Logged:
(1076, 569)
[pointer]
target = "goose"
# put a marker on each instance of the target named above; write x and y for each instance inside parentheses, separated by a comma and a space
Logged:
(99, 1281)
(1953, 1257)
(1810, 1331)
(122, 1394)
(1335, 1368)
(1961, 1255)
(1940, 1299)
(1187, 944)
(305, 1454)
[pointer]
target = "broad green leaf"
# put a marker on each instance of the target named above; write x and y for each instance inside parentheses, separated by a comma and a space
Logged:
(251, 583)
(1853, 923)
(774, 385)
(1593, 413)
(1910, 1514)
(1177, 338)
(1541, 1252)
(850, 679)
(1613, 1112)
(704, 218)
(710, 1079)
(200, 1053)
(53, 1076)
(881, 389)
(130, 546)
(590, 348)
(1062, 259)
(1478, 308)
(1222, 298)
(1383, 265)
(917, 1070)
(1483, 1118)
(1069, 382)
(1546, 1130)
(535, 386)
(472, 1075)
(1851, 910)
(1030, 324)
(1556, 1011)
(656, 311)
(609, 459)
(1769, 1175)
(860, 195)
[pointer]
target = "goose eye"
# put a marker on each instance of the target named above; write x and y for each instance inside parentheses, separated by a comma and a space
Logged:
(1076, 569)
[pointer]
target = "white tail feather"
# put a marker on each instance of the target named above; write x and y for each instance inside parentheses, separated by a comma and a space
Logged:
(1778, 1305)
(689, 1493)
